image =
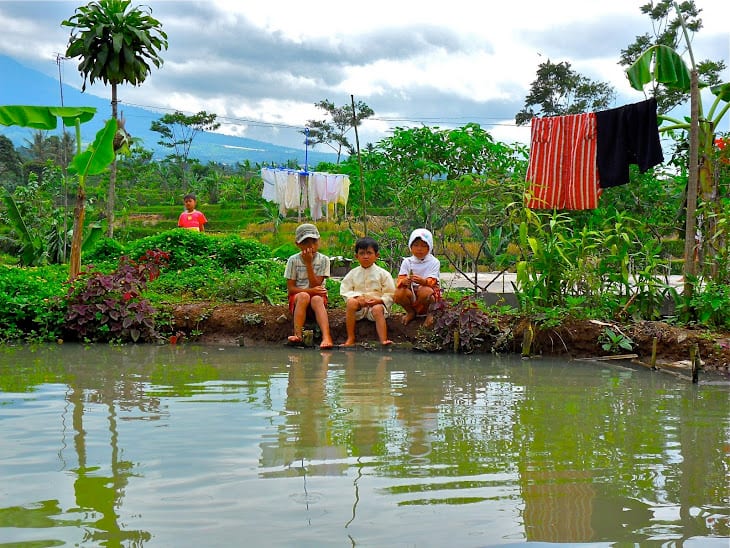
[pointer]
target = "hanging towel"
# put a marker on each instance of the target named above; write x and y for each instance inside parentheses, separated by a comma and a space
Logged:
(562, 171)
(627, 135)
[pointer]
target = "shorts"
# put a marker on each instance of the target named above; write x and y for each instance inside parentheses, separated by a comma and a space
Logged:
(367, 312)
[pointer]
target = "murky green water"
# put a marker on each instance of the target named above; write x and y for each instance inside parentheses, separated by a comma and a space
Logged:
(206, 446)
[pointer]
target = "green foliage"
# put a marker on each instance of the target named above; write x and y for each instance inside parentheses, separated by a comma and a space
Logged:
(233, 252)
(465, 320)
(614, 342)
(103, 251)
(285, 251)
(29, 305)
(110, 307)
(186, 247)
(559, 90)
(708, 304)
(258, 281)
(115, 44)
(334, 132)
(196, 282)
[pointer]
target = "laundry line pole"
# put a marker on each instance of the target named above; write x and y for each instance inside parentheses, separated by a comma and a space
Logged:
(359, 163)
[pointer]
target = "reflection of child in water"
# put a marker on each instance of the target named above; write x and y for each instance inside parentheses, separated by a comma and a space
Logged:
(417, 285)
(191, 218)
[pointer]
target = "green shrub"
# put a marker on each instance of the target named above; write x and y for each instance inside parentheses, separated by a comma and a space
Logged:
(29, 302)
(105, 250)
(233, 252)
(259, 281)
(109, 307)
(186, 247)
(285, 251)
(196, 281)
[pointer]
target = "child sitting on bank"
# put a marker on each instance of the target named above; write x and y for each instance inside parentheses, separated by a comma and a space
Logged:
(191, 218)
(368, 290)
(417, 285)
(306, 273)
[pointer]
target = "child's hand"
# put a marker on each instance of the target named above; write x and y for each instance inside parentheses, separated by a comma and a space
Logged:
(318, 290)
(308, 255)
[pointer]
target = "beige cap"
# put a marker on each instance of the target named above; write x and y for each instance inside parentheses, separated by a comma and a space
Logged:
(306, 231)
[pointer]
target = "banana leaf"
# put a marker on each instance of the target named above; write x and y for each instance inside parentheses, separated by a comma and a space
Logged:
(41, 117)
(661, 64)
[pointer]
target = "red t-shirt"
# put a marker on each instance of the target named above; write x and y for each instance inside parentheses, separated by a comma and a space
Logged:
(193, 220)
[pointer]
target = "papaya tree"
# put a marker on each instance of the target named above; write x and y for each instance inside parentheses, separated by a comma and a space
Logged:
(116, 45)
(95, 159)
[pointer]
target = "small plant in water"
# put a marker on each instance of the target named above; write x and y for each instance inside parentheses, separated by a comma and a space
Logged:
(614, 342)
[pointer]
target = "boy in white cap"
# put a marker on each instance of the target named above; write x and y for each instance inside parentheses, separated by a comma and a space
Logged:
(417, 285)
(306, 273)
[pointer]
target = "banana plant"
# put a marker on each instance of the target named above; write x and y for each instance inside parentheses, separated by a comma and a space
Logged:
(94, 160)
(661, 64)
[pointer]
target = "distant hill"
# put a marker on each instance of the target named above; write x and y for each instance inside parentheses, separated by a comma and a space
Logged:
(20, 85)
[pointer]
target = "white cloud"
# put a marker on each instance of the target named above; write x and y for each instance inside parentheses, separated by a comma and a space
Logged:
(263, 64)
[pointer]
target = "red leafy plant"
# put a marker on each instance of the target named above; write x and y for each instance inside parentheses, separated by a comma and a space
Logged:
(109, 307)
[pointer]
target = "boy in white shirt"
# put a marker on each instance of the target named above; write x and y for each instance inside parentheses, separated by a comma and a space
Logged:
(368, 290)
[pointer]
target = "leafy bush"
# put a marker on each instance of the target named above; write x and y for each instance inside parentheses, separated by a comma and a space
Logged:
(233, 252)
(186, 247)
(110, 307)
(464, 319)
(105, 250)
(285, 251)
(195, 282)
(259, 281)
(29, 305)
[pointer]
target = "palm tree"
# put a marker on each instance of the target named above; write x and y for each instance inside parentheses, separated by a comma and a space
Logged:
(116, 44)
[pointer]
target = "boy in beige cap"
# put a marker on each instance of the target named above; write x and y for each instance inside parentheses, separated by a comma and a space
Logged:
(306, 273)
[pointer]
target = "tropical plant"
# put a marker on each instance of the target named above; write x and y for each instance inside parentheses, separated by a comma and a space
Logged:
(110, 307)
(660, 64)
(613, 341)
(95, 159)
(116, 44)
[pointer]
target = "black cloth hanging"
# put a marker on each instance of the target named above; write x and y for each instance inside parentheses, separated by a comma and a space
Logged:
(627, 135)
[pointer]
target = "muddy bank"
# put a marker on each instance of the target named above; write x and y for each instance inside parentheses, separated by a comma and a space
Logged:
(249, 324)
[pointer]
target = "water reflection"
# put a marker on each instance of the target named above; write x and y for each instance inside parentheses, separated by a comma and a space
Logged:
(153, 445)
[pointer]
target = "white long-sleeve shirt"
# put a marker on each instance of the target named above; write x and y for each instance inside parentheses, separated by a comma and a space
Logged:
(374, 281)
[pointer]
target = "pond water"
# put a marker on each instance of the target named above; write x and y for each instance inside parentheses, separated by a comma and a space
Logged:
(207, 446)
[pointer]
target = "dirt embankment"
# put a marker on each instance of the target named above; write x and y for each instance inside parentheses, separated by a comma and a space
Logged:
(258, 325)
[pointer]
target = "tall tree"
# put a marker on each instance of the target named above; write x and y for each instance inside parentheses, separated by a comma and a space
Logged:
(333, 132)
(559, 90)
(177, 131)
(11, 165)
(667, 28)
(116, 45)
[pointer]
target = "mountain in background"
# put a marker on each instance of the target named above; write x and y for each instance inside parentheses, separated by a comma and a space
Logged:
(20, 85)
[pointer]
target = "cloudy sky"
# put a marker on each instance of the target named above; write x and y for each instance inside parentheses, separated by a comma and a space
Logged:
(260, 65)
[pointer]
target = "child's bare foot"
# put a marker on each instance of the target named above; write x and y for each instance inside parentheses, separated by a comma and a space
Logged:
(428, 322)
(408, 317)
(386, 342)
(295, 339)
(348, 342)
(326, 344)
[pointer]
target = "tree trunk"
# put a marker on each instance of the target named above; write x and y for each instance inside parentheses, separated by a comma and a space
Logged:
(111, 193)
(78, 232)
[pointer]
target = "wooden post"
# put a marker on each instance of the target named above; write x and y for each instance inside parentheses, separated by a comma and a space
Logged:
(653, 352)
(457, 341)
(527, 341)
(694, 354)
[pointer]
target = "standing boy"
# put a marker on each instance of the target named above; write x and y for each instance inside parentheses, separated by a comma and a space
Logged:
(191, 218)
(368, 290)
(306, 273)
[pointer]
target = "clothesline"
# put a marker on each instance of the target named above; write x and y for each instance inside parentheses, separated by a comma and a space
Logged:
(317, 191)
